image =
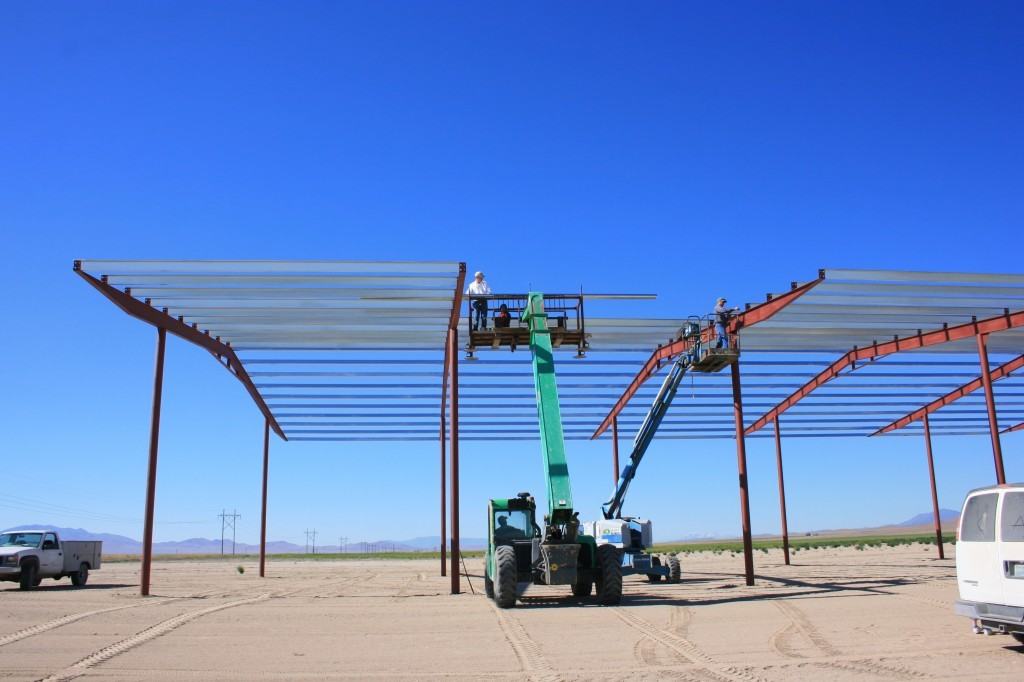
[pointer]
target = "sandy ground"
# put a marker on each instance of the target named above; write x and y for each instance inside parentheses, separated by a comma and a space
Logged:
(833, 615)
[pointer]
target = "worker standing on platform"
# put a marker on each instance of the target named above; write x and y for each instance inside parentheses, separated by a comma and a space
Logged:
(479, 287)
(722, 316)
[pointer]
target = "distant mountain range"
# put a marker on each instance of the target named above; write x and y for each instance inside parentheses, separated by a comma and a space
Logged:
(921, 519)
(120, 544)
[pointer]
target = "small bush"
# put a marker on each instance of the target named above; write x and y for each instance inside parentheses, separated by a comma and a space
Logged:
(240, 569)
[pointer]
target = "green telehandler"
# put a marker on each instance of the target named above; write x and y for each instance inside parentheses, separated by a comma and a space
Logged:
(519, 551)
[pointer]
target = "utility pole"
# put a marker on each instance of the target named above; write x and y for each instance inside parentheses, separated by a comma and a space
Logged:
(311, 535)
(226, 521)
(342, 541)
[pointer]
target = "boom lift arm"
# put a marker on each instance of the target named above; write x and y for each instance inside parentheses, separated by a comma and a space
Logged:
(560, 522)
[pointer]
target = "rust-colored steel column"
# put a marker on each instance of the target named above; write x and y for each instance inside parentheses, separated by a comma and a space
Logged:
(154, 446)
(990, 404)
(782, 491)
(931, 477)
(615, 450)
(453, 448)
(741, 465)
(444, 531)
(263, 508)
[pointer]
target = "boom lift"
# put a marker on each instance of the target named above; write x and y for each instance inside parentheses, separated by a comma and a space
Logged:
(634, 536)
(519, 551)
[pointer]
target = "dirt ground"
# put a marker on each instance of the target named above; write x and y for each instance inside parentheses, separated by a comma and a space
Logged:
(836, 614)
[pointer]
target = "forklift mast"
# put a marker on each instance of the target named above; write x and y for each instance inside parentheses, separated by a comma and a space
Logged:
(549, 415)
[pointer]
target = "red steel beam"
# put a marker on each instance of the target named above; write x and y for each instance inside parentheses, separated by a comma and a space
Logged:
(998, 373)
(931, 478)
(161, 320)
(990, 406)
(615, 450)
(154, 446)
(877, 350)
(741, 466)
(782, 492)
(1015, 427)
(453, 448)
(263, 507)
(748, 318)
(453, 323)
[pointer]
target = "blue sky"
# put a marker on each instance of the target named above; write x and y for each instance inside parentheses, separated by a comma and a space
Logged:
(681, 148)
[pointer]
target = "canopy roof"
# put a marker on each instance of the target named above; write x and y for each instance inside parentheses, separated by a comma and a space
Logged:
(354, 350)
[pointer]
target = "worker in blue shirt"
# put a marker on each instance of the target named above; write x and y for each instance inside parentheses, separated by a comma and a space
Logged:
(722, 316)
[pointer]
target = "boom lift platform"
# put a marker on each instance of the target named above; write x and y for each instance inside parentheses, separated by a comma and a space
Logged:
(634, 536)
(566, 323)
(519, 551)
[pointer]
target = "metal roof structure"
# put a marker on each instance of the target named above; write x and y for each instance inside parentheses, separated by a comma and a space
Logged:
(846, 311)
(359, 351)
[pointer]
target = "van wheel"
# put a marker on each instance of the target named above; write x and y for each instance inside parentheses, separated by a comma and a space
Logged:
(80, 578)
(28, 579)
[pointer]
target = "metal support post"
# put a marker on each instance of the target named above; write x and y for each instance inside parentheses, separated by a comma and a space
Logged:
(615, 450)
(990, 404)
(782, 492)
(154, 446)
(931, 478)
(741, 465)
(444, 531)
(263, 508)
(453, 448)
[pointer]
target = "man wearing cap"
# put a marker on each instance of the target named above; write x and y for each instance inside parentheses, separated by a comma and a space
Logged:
(722, 315)
(479, 287)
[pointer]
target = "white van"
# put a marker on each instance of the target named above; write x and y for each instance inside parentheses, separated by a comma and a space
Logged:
(990, 560)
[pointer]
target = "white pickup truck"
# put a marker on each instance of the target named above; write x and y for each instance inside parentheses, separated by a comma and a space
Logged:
(28, 556)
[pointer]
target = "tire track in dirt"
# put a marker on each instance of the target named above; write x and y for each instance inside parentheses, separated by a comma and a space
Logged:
(528, 652)
(39, 629)
(805, 627)
(162, 628)
(687, 650)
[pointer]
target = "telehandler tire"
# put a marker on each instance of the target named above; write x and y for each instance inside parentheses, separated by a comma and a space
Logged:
(675, 571)
(583, 588)
(488, 586)
(609, 576)
(505, 583)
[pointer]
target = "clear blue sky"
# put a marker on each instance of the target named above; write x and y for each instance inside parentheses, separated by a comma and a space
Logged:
(680, 148)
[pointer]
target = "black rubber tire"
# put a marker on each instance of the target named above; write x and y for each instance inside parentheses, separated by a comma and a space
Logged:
(488, 586)
(28, 580)
(654, 577)
(583, 588)
(675, 570)
(1019, 636)
(505, 583)
(82, 577)
(609, 572)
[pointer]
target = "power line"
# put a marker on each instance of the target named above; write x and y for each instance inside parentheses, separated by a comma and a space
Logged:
(224, 524)
(311, 534)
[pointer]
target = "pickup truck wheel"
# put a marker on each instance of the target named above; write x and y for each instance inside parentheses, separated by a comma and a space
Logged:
(28, 579)
(609, 576)
(80, 578)
(505, 583)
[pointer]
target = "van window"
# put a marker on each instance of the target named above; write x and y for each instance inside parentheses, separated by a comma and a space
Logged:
(1011, 529)
(979, 522)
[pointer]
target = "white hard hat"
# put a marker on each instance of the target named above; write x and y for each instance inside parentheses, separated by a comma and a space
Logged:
(721, 299)
(478, 274)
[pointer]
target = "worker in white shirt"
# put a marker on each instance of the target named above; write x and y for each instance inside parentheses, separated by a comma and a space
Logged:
(479, 287)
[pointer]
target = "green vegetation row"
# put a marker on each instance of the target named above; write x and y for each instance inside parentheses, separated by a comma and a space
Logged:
(859, 542)
(299, 556)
